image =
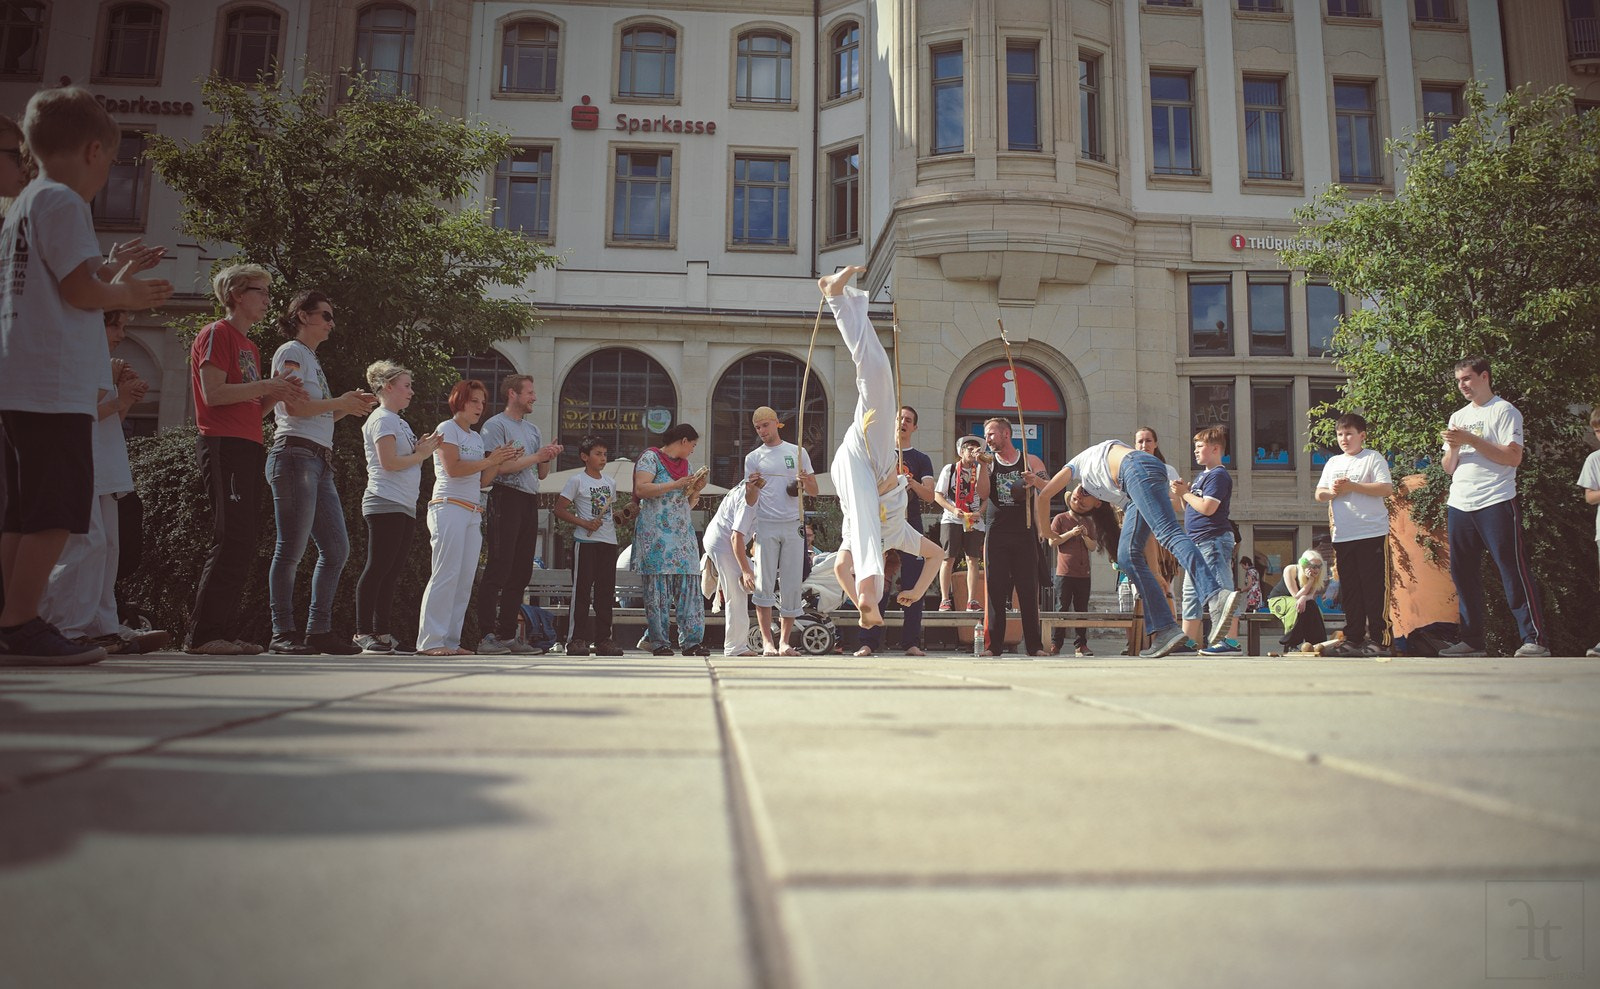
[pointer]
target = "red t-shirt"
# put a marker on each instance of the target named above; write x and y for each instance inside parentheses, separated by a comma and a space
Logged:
(223, 345)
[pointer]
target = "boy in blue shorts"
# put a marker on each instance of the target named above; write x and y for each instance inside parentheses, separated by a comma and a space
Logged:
(1205, 520)
(53, 354)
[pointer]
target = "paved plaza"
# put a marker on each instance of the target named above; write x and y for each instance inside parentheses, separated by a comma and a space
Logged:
(174, 822)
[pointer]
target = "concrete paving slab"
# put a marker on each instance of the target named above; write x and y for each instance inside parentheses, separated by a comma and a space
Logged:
(927, 802)
(1420, 935)
(205, 871)
(976, 707)
(419, 723)
(591, 677)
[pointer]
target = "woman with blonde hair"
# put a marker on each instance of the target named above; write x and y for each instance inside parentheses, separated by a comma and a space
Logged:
(389, 504)
(1294, 600)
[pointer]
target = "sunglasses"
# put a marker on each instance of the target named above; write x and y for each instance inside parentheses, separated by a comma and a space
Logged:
(327, 317)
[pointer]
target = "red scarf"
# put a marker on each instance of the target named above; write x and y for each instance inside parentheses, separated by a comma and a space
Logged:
(677, 468)
(966, 488)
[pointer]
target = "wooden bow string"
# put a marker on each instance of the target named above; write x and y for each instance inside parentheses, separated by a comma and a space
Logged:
(800, 419)
(1027, 506)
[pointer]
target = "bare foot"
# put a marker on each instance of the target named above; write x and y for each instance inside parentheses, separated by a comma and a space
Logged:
(788, 651)
(834, 284)
(769, 650)
(863, 651)
(915, 651)
(870, 618)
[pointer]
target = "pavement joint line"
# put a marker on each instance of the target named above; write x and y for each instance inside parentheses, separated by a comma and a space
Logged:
(99, 759)
(1485, 704)
(752, 834)
(1171, 878)
(453, 753)
(1549, 820)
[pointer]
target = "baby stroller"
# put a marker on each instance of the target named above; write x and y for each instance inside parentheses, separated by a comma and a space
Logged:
(814, 632)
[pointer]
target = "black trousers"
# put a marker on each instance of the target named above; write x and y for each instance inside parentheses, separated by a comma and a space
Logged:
(1010, 563)
(595, 582)
(388, 545)
(1361, 588)
(1072, 594)
(511, 536)
(235, 473)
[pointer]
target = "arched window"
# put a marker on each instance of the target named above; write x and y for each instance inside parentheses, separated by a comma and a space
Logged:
(621, 395)
(489, 367)
(844, 60)
(647, 65)
(250, 44)
(762, 74)
(22, 24)
(994, 391)
(772, 380)
(132, 42)
(528, 51)
(386, 41)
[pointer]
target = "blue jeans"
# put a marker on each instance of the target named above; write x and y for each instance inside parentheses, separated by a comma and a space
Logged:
(1498, 529)
(1149, 511)
(1218, 551)
(304, 504)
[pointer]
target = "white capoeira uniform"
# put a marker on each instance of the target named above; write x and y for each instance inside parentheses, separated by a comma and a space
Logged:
(733, 515)
(873, 523)
(455, 525)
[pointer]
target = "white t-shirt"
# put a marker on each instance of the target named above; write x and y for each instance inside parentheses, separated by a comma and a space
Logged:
(1589, 477)
(945, 486)
(1478, 481)
(51, 354)
(112, 473)
(1092, 469)
(469, 446)
(777, 465)
(733, 515)
(1355, 515)
(592, 498)
(301, 361)
(389, 487)
(502, 429)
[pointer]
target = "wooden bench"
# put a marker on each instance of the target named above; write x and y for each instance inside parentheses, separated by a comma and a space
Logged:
(1254, 621)
(553, 590)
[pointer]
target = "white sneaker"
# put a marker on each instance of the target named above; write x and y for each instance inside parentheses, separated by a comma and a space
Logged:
(1223, 607)
(1530, 650)
(1594, 650)
(1460, 650)
(490, 645)
(518, 647)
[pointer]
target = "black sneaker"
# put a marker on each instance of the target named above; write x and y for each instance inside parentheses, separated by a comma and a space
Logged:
(661, 651)
(288, 644)
(697, 649)
(578, 647)
(605, 647)
(36, 642)
(372, 645)
(331, 644)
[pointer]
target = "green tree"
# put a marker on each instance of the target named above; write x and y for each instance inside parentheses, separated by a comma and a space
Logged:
(1491, 247)
(368, 201)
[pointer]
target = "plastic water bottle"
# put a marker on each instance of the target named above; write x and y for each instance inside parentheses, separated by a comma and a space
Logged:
(977, 639)
(538, 562)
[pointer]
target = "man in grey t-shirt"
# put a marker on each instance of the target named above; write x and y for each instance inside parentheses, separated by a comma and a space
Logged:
(513, 525)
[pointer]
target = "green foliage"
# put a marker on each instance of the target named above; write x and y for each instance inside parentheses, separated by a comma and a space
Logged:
(1490, 248)
(363, 203)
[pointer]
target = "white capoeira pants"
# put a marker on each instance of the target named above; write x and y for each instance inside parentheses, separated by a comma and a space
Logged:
(736, 612)
(780, 563)
(456, 536)
(873, 523)
(80, 598)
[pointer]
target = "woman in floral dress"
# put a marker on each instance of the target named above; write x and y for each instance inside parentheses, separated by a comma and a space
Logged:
(665, 550)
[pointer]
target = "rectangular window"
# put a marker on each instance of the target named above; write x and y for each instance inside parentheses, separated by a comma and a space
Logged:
(1211, 404)
(642, 197)
(1266, 134)
(1022, 97)
(1262, 6)
(1269, 314)
(1322, 393)
(522, 187)
(844, 195)
(1090, 143)
(1441, 109)
(1169, 3)
(121, 204)
(761, 201)
(949, 101)
(1436, 11)
(529, 54)
(1276, 547)
(1349, 8)
(845, 56)
(1356, 117)
(762, 73)
(1210, 316)
(647, 63)
(1172, 123)
(1271, 423)
(1583, 29)
(1324, 309)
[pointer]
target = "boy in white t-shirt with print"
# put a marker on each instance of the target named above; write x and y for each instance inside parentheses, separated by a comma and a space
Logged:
(588, 501)
(1355, 482)
(1589, 480)
(53, 287)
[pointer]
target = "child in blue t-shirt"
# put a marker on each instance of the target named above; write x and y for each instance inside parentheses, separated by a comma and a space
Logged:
(1205, 519)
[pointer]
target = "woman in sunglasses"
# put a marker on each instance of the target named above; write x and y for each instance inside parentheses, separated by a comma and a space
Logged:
(1294, 600)
(305, 502)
